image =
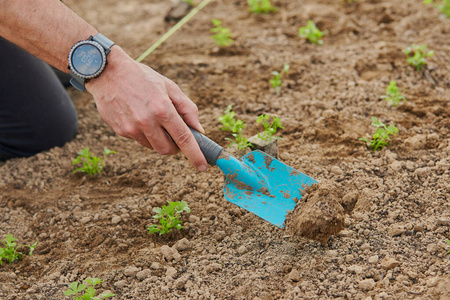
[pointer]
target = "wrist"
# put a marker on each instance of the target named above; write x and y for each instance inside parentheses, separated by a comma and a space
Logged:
(114, 59)
(88, 59)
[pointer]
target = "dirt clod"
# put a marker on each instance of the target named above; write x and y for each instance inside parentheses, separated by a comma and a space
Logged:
(318, 214)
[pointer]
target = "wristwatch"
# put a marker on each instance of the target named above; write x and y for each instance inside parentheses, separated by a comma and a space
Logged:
(87, 59)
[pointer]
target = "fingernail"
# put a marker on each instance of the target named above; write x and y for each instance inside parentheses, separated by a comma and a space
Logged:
(203, 130)
(202, 168)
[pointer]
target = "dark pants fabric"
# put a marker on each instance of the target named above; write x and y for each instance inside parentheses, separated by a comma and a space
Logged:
(36, 113)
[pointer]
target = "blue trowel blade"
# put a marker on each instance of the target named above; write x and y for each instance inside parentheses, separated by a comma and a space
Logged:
(263, 185)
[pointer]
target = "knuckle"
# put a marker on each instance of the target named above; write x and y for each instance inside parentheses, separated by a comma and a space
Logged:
(160, 112)
(127, 130)
(183, 139)
(141, 121)
(171, 84)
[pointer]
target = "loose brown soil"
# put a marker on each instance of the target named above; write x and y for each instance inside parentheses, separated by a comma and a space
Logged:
(395, 201)
(319, 214)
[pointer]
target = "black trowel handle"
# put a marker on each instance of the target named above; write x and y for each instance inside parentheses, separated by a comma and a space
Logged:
(211, 150)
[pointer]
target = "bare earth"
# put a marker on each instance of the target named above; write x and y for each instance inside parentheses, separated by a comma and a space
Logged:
(395, 202)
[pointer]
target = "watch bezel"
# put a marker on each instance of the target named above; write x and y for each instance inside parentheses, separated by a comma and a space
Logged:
(102, 52)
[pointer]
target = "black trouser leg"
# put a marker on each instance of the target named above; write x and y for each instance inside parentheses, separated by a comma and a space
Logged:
(36, 113)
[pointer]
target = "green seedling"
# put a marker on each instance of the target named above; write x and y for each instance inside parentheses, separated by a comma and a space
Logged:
(393, 96)
(91, 164)
(269, 128)
(443, 6)
(261, 6)
(312, 33)
(10, 253)
(221, 36)
(381, 137)
(169, 217)
(448, 252)
(230, 123)
(228, 119)
(239, 139)
(86, 290)
(416, 55)
(277, 78)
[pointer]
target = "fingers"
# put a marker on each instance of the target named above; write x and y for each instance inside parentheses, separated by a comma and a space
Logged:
(167, 133)
(184, 106)
(183, 137)
(140, 104)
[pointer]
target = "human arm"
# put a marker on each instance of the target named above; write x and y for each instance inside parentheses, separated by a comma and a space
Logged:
(137, 102)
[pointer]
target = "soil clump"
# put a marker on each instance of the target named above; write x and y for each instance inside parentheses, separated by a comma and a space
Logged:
(318, 214)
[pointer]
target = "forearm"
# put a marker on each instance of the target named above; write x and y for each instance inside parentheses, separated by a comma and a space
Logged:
(45, 28)
(136, 101)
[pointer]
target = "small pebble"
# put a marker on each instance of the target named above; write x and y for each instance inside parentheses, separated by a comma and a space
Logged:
(294, 275)
(171, 272)
(242, 250)
(143, 274)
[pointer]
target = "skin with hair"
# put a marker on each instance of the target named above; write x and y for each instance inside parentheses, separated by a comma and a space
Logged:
(136, 101)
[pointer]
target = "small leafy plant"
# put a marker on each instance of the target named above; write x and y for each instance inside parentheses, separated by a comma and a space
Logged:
(312, 33)
(91, 164)
(416, 55)
(230, 123)
(228, 119)
(261, 6)
(381, 137)
(393, 96)
(448, 252)
(239, 139)
(9, 252)
(443, 7)
(277, 78)
(221, 36)
(86, 290)
(269, 128)
(169, 217)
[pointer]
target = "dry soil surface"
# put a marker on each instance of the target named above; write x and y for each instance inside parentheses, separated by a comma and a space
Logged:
(395, 202)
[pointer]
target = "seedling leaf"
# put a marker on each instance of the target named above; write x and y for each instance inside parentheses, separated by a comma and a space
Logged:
(86, 291)
(222, 35)
(236, 127)
(10, 253)
(416, 56)
(109, 295)
(380, 138)
(277, 77)
(91, 164)
(393, 95)
(269, 128)
(169, 217)
(312, 33)
(228, 119)
(443, 6)
(261, 6)
(93, 281)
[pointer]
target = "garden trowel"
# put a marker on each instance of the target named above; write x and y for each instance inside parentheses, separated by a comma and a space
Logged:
(257, 182)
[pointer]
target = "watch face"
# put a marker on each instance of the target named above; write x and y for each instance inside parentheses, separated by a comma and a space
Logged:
(87, 60)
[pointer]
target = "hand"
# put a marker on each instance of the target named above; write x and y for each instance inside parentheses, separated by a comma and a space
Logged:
(140, 104)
